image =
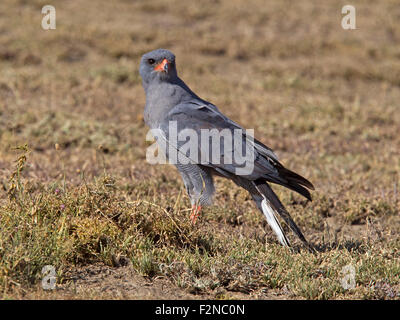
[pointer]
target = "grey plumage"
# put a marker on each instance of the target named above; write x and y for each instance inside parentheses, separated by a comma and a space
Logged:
(170, 101)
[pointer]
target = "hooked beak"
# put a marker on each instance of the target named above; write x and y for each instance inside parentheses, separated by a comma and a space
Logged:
(163, 66)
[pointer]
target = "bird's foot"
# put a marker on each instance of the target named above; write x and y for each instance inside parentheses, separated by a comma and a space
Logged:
(195, 213)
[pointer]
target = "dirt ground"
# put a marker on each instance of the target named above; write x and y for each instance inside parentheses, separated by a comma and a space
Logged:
(99, 281)
(80, 195)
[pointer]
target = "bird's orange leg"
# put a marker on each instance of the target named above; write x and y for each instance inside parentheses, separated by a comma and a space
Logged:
(195, 213)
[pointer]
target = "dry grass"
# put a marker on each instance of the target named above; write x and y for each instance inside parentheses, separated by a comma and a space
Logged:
(325, 99)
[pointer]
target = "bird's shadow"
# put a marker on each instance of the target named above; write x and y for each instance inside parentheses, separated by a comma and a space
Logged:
(349, 245)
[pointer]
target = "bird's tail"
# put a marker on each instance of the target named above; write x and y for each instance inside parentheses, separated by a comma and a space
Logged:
(270, 215)
(292, 180)
(272, 207)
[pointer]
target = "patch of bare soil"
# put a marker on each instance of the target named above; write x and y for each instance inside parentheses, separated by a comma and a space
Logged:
(99, 281)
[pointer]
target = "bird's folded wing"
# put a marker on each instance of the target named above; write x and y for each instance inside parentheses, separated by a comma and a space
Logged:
(195, 120)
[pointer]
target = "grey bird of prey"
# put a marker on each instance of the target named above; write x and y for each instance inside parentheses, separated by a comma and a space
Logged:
(169, 101)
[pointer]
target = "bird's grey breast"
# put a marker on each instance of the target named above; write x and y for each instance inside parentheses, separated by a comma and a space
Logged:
(160, 99)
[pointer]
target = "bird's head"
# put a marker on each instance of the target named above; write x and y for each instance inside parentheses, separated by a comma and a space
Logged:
(157, 64)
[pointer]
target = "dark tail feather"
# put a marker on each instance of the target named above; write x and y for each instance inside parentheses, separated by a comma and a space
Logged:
(294, 177)
(300, 189)
(293, 181)
(292, 186)
(266, 190)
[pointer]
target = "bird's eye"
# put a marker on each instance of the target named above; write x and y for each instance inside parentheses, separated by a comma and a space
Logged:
(151, 61)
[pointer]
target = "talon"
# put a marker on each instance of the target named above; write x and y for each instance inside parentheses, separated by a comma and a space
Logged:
(195, 213)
